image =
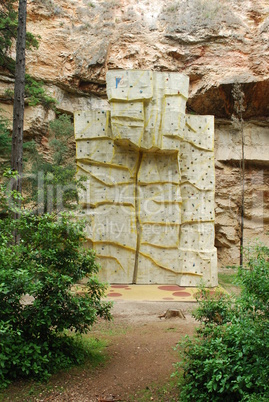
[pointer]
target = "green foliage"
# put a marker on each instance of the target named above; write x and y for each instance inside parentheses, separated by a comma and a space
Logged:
(60, 130)
(34, 90)
(227, 279)
(5, 138)
(36, 94)
(29, 391)
(53, 184)
(8, 33)
(213, 309)
(228, 358)
(8, 25)
(6, 195)
(156, 392)
(38, 302)
(255, 281)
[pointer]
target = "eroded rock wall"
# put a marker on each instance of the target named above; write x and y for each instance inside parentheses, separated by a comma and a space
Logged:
(229, 183)
(216, 43)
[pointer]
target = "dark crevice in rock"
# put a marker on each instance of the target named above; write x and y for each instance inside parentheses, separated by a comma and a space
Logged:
(92, 87)
(218, 100)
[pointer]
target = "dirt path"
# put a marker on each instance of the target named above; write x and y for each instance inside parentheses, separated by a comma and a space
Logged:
(140, 352)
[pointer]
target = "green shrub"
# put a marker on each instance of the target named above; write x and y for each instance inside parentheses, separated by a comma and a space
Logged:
(8, 33)
(38, 302)
(61, 130)
(52, 185)
(228, 358)
(36, 93)
(5, 139)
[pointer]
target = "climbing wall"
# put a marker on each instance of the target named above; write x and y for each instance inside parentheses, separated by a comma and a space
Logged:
(149, 194)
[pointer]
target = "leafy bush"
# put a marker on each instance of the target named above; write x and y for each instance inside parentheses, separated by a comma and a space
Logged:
(34, 90)
(5, 138)
(8, 33)
(38, 302)
(61, 130)
(53, 184)
(36, 93)
(228, 358)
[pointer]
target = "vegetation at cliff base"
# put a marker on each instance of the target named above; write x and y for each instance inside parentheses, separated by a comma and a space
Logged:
(228, 358)
(5, 139)
(42, 317)
(38, 302)
(52, 184)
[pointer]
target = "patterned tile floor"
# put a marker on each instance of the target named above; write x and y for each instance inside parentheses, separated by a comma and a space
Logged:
(155, 292)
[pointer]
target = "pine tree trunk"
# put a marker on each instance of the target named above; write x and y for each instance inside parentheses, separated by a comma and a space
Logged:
(18, 109)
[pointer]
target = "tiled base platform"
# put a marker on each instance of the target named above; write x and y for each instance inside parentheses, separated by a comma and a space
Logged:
(155, 292)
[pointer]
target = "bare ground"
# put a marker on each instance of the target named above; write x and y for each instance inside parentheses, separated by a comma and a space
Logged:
(140, 353)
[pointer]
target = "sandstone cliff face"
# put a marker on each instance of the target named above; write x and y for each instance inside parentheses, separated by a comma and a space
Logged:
(218, 43)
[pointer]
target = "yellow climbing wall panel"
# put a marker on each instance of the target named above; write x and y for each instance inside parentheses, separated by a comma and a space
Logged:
(149, 193)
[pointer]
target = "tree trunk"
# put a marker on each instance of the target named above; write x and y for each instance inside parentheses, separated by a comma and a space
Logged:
(243, 196)
(18, 109)
(239, 98)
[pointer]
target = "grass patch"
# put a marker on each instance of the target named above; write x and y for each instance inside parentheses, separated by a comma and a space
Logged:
(169, 392)
(227, 279)
(29, 391)
(95, 351)
(108, 329)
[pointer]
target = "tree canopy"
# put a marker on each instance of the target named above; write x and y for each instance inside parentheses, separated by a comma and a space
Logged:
(8, 34)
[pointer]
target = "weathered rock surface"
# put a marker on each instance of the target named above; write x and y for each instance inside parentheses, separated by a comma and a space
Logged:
(217, 43)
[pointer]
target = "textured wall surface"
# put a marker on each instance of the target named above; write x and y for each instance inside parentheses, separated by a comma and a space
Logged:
(149, 196)
(218, 44)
